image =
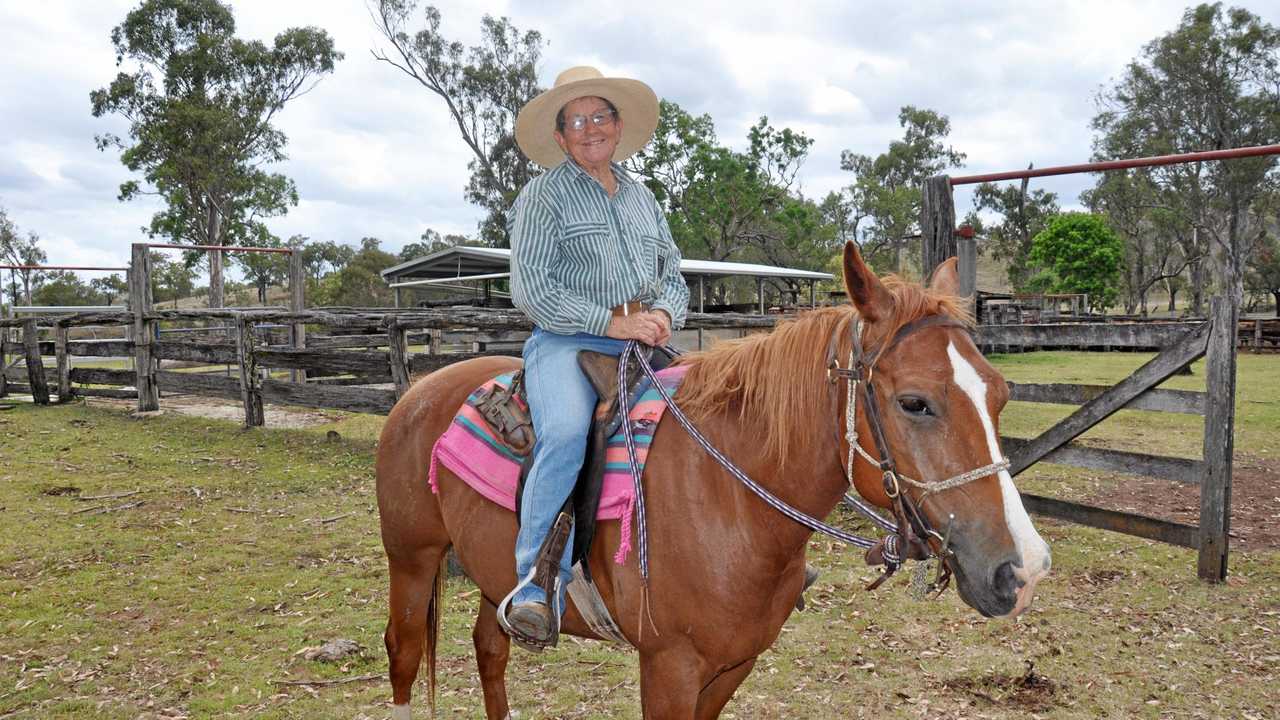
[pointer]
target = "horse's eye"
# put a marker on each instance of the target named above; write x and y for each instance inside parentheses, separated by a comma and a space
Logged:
(913, 405)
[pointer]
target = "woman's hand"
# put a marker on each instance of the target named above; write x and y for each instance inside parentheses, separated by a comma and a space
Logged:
(650, 328)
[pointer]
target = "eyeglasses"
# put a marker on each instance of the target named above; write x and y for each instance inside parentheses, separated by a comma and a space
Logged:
(578, 123)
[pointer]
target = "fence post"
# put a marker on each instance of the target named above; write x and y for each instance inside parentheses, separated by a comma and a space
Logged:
(1219, 439)
(64, 362)
(1257, 336)
(4, 359)
(35, 366)
(967, 254)
(937, 224)
(143, 329)
(297, 303)
(398, 355)
(250, 385)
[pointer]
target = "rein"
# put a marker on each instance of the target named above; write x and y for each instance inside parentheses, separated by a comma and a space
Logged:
(911, 537)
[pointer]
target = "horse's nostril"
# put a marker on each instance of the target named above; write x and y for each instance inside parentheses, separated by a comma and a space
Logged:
(1005, 582)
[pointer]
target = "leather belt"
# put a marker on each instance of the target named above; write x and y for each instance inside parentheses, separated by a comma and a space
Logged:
(630, 308)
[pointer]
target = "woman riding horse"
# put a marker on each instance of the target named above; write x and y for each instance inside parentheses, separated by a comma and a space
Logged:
(593, 265)
(725, 567)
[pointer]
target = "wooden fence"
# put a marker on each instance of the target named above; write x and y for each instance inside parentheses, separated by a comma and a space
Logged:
(360, 360)
(357, 360)
(1179, 344)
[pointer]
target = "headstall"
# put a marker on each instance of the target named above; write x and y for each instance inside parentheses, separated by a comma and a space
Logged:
(911, 536)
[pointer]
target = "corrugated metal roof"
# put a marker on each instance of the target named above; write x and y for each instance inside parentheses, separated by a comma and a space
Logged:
(464, 260)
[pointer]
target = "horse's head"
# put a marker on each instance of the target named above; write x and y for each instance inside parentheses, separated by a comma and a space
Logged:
(939, 404)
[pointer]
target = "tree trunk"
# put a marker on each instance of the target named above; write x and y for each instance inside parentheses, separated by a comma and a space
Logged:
(1275, 295)
(1197, 288)
(213, 234)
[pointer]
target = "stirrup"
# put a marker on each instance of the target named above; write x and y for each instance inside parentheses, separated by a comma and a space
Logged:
(545, 573)
(810, 576)
(528, 642)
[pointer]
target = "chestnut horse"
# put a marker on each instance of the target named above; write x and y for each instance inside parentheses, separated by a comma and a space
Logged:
(725, 568)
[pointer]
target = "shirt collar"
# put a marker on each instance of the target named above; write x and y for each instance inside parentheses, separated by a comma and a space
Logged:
(624, 178)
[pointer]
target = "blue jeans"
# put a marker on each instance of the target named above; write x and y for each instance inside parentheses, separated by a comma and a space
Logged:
(561, 402)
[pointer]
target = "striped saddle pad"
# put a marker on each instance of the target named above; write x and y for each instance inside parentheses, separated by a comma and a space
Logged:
(470, 450)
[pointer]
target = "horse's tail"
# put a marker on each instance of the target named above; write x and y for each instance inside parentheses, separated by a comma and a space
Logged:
(433, 630)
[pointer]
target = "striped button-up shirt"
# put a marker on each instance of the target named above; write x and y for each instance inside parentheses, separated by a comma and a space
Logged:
(576, 252)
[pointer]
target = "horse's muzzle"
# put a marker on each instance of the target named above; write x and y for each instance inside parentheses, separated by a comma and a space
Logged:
(1005, 591)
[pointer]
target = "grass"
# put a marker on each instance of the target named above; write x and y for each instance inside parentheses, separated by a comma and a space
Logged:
(252, 546)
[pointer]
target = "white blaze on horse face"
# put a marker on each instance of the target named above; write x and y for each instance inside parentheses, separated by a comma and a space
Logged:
(1032, 549)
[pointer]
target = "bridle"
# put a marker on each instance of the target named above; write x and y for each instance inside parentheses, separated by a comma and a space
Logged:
(911, 537)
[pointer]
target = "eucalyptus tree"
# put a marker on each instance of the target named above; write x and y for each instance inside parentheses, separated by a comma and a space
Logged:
(1159, 245)
(19, 249)
(1021, 216)
(724, 204)
(483, 87)
(888, 187)
(1212, 83)
(201, 105)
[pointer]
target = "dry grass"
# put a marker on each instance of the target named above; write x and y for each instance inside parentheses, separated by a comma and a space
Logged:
(196, 602)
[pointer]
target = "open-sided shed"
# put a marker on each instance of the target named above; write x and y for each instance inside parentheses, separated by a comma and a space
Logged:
(456, 265)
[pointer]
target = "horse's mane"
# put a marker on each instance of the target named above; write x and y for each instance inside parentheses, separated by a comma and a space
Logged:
(777, 381)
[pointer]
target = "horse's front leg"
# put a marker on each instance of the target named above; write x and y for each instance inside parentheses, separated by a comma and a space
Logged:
(493, 648)
(670, 680)
(716, 694)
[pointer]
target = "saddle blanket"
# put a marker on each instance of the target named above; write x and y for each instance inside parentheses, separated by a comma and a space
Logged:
(471, 451)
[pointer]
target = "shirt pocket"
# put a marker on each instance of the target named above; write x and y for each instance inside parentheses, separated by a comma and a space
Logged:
(657, 258)
(586, 243)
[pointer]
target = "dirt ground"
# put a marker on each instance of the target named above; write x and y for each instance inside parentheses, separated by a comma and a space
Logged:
(197, 406)
(1255, 501)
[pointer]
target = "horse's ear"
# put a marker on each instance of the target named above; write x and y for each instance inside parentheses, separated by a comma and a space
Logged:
(946, 278)
(865, 290)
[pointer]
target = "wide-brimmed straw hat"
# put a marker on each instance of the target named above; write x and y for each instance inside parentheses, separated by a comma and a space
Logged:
(636, 103)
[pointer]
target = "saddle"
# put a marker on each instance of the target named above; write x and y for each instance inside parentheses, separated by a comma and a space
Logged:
(507, 412)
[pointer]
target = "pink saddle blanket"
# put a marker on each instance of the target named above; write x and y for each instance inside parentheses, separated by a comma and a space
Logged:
(470, 450)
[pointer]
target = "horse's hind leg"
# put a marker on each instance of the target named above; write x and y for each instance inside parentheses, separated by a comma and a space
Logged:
(412, 622)
(493, 648)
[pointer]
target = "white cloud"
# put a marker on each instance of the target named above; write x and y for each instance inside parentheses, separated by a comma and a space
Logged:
(374, 153)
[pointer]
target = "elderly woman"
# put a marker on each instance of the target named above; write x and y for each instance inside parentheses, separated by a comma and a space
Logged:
(593, 265)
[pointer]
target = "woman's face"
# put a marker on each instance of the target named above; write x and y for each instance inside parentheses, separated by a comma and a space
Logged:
(591, 147)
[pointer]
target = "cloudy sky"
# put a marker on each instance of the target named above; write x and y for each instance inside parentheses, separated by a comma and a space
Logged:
(373, 153)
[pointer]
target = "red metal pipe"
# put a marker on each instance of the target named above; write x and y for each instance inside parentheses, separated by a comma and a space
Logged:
(227, 248)
(60, 267)
(1120, 164)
